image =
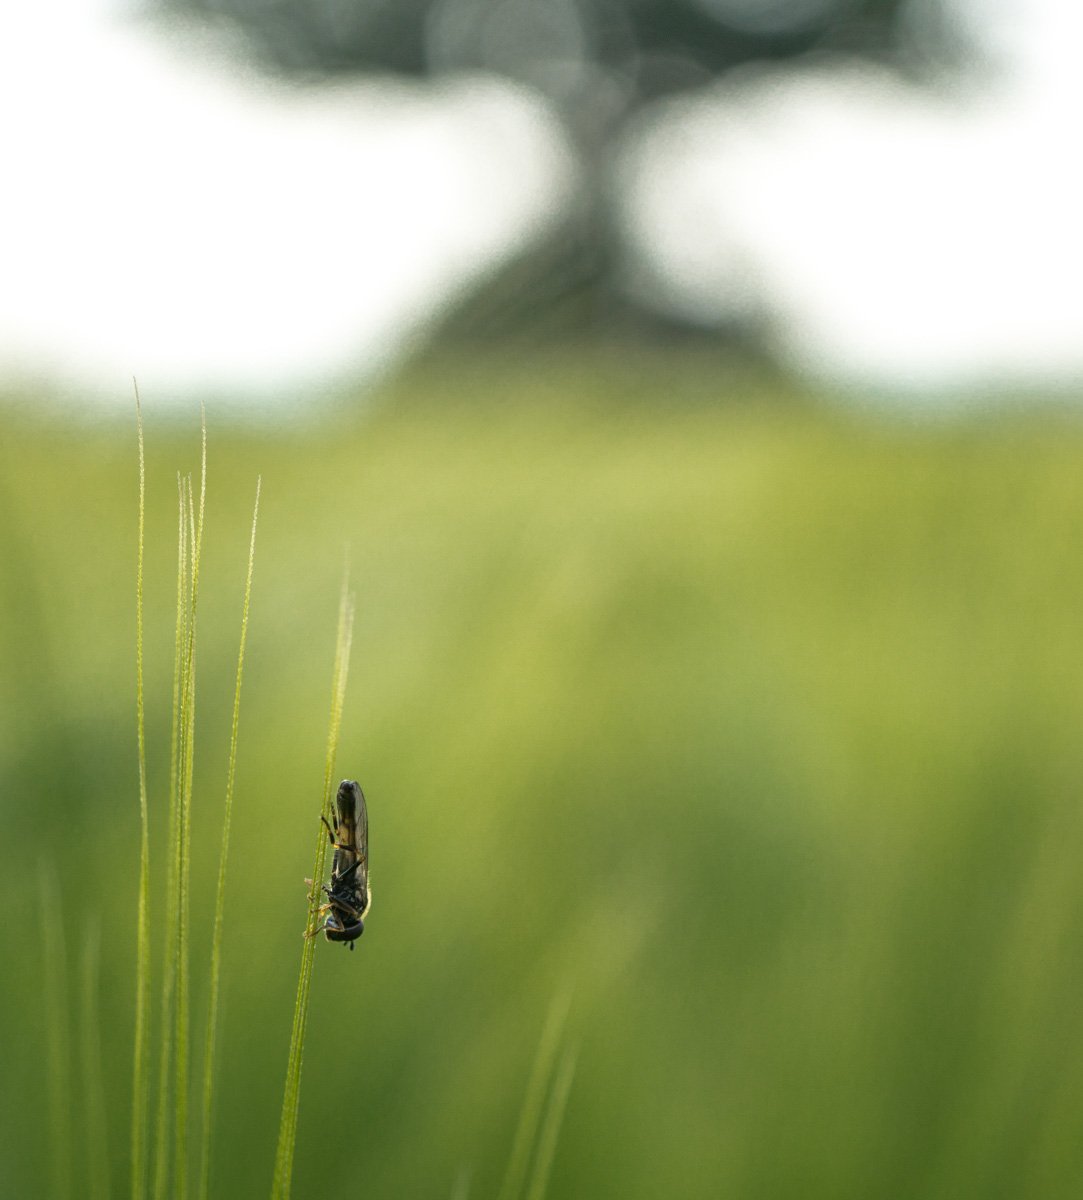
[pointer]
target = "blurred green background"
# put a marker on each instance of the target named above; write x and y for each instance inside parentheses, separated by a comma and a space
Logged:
(756, 723)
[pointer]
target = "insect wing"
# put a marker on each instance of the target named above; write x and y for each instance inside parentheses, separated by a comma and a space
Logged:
(361, 849)
(350, 869)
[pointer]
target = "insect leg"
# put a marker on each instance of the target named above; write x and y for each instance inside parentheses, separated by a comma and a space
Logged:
(324, 908)
(344, 907)
(332, 834)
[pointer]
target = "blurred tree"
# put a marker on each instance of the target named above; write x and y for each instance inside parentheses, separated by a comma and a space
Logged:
(645, 47)
(597, 61)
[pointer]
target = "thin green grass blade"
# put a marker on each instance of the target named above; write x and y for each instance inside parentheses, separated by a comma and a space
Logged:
(58, 1034)
(220, 895)
(140, 1080)
(461, 1189)
(188, 725)
(534, 1100)
(96, 1175)
(550, 1129)
(180, 941)
(291, 1098)
(161, 1158)
(343, 644)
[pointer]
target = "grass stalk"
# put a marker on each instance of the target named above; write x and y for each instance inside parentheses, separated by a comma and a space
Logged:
(58, 1033)
(550, 1128)
(533, 1102)
(220, 895)
(183, 955)
(90, 1054)
(161, 1162)
(291, 1097)
(140, 1081)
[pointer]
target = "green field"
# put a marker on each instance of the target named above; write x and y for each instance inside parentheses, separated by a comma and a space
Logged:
(757, 725)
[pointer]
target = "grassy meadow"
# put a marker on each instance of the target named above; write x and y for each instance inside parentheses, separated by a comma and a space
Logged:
(755, 726)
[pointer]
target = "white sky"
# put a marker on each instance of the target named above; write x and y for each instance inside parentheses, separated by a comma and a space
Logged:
(164, 214)
(885, 237)
(169, 216)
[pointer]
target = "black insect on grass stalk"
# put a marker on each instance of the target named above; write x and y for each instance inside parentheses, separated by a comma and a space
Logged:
(291, 1097)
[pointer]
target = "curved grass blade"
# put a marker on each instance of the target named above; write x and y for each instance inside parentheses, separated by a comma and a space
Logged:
(188, 721)
(461, 1190)
(291, 1098)
(90, 1053)
(220, 896)
(534, 1100)
(161, 1159)
(58, 1034)
(140, 1079)
(550, 1129)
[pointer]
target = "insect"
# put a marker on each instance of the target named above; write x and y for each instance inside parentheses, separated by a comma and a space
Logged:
(348, 895)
